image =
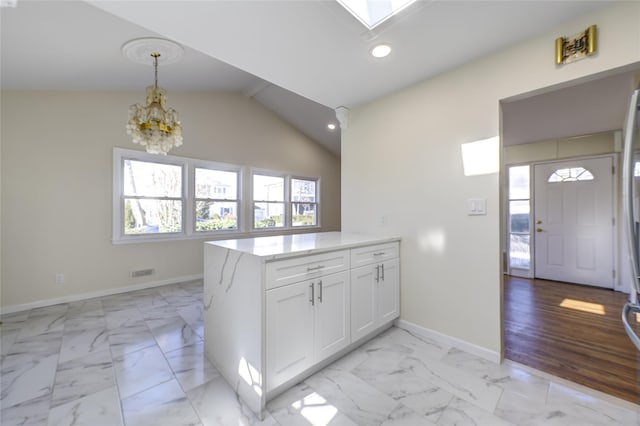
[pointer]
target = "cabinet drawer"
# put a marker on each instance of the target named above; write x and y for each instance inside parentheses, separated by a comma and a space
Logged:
(283, 272)
(376, 253)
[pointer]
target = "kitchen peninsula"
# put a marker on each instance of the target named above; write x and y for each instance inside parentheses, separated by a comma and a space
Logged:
(279, 308)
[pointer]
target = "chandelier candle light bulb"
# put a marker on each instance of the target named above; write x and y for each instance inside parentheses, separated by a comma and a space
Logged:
(155, 126)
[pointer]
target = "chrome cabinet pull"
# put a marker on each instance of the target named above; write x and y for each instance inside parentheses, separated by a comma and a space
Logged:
(380, 253)
(382, 271)
(377, 273)
(312, 295)
(320, 295)
(315, 268)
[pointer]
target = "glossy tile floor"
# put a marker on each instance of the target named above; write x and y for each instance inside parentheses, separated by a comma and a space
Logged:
(137, 359)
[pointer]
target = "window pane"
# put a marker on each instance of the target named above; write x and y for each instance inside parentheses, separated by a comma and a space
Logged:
(303, 214)
(570, 175)
(268, 215)
(519, 255)
(213, 215)
(519, 182)
(268, 188)
(152, 216)
(519, 216)
(148, 179)
(216, 184)
(303, 190)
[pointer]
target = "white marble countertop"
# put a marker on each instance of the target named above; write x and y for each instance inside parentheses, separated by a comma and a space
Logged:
(284, 246)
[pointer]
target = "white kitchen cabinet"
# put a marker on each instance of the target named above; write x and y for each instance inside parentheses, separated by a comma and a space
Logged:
(306, 323)
(277, 309)
(375, 288)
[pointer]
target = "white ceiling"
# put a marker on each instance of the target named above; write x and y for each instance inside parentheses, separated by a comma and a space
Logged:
(299, 58)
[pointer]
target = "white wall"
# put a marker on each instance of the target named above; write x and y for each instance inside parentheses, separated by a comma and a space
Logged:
(401, 159)
(57, 150)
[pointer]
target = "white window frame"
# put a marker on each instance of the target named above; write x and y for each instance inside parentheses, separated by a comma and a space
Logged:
(317, 202)
(187, 196)
(287, 222)
(200, 164)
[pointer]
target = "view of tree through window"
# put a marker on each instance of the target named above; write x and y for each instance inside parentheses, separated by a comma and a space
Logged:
(268, 201)
(152, 197)
(303, 202)
(216, 199)
(160, 198)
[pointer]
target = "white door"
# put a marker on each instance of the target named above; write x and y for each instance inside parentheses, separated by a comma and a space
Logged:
(573, 221)
(332, 331)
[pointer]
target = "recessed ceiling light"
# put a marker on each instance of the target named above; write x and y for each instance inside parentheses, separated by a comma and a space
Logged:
(381, 50)
(331, 126)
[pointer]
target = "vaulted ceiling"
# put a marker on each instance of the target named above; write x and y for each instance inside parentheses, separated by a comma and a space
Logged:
(301, 59)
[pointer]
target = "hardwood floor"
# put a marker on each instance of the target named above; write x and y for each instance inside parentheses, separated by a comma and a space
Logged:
(571, 331)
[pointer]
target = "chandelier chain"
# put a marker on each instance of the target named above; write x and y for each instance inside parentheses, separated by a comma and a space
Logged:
(155, 56)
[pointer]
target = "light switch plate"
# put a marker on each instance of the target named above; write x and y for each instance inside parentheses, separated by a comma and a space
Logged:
(476, 206)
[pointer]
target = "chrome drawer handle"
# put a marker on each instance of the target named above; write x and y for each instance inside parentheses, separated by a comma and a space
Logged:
(315, 268)
(380, 253)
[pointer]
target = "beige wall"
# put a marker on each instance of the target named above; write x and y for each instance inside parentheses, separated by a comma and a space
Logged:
(401, 159)
(57, 151)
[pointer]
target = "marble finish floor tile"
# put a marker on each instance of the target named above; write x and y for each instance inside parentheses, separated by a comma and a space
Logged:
(140, 370)
(32, 412)
(98, 409)
(83, 376)
(162, 405)
(138, 359)
(217, 405)
(190, 366)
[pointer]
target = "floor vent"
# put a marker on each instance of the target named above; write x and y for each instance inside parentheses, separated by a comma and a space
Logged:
(142, 273)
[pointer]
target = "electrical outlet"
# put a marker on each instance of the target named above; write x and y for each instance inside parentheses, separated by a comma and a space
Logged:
(59, 278)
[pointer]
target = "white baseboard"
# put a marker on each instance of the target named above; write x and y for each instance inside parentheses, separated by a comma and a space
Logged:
(476, 350)
(82, 296)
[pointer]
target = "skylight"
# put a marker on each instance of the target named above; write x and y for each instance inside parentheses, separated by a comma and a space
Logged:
(372, 13)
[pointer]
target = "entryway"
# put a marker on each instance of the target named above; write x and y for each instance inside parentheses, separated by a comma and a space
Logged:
(574, 221)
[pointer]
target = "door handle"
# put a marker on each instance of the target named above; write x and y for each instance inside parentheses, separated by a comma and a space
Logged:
(539, 229)
(382, 266)
(312, 294)
(377, 273)
(320, 295)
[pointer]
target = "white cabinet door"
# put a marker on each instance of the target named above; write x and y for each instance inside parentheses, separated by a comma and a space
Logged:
(363, 301)
(289, 332)
(389, 291)
(332, 331)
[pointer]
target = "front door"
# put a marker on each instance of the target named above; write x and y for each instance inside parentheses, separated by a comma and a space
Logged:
(573, 221)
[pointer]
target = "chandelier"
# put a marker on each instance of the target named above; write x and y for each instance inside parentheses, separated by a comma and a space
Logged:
(153, 125)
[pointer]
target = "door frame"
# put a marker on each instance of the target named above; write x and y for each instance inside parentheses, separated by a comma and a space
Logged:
(614, 209)
(615, 158)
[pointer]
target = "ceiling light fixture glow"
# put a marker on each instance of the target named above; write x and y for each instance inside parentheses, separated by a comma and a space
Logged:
(381, 50)
(331, 126)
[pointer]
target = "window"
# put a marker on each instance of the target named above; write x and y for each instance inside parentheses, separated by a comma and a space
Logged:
(152, 197)
(217, 202)
(268, 201)
(519, 217)
(274, 195)
(570, 175)
(158, 198)
(304, 206)
(166, 197)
